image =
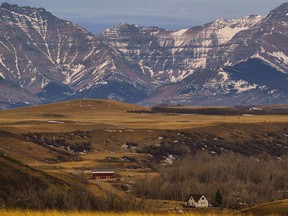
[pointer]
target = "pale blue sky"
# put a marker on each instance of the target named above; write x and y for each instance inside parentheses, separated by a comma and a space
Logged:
(97, 15)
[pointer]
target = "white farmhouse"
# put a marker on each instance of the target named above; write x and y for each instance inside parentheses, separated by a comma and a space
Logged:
(197, 201)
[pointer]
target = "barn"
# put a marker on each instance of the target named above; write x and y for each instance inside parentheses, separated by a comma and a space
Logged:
(102, 174)
(197, 201)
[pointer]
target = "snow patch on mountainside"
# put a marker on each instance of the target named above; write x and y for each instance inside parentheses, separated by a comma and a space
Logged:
(199, 63)
(179, 33)
(225, 75)
(268, 62)
(143, 59)
(143, 67)
(3, 64)
(282, 57)
(178, 76)
(227, 33)
(225, 30)
(239, 85)
(242, 86)
(75, 73)
(170, 56)
(1, 75)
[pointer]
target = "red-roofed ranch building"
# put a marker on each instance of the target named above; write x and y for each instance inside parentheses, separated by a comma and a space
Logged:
(102, 174)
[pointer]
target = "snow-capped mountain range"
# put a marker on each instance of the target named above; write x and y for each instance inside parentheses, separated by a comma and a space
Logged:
(239, 61)
(170, 56)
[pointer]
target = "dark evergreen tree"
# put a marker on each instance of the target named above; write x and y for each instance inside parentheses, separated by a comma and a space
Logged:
(218, 198)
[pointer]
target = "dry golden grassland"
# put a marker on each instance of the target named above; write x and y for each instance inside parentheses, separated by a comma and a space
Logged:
(98, 116)
(76, 213)
(87, 114)
(102, 118)
(57, 213)
(281, 207)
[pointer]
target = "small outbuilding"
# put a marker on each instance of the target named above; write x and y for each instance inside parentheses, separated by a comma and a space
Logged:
(197, 201)
(102, 174)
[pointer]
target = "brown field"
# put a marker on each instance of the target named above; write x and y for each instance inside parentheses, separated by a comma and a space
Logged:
(88, 114)
(258, 211)
(104, 119)
(274, 208)
(56, 213)
(109, 124)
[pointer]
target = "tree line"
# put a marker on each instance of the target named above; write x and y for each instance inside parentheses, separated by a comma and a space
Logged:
(242, 181)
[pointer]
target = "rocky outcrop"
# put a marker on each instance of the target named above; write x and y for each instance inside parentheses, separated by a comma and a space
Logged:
(45, 59)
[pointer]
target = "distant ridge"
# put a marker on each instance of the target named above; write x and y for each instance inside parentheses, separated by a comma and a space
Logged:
(225, 62)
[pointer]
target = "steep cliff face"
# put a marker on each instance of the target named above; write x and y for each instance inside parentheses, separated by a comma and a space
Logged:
(45, 59)
(38, 48)
(239, 61)
(267, 40)
(12, 95)
(170, 56)
(251, 82)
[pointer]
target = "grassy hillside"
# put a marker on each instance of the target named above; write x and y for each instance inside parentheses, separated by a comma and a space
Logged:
(54, 213)
(25, 187)
(100, 113)
(75, 213)
(279, 208)
(62, 142)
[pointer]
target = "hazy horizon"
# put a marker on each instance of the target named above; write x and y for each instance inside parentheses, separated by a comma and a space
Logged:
(97, 16)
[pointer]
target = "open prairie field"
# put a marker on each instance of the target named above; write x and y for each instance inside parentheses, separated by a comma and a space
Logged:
(89, 114)
(59, 213)
(67, 140)
(278, 208)
(107, 126)
(56, 213)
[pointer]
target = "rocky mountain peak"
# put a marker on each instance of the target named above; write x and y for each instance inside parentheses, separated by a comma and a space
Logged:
(54, 59)
(127, 31)
(281, 11)
(15, 14)
(246, 21)
(39, 50)
(219, 22)
(22, 10)
(122, 30)
(8, 6)
(126, 25)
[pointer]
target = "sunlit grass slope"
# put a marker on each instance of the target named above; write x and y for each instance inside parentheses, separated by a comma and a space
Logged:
(279, 208)
(25, 187)
(97, 113)
(58, 213)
